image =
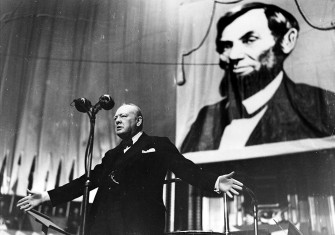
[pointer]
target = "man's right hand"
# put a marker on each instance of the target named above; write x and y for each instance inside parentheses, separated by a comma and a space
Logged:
(32, 200)
(228, 185)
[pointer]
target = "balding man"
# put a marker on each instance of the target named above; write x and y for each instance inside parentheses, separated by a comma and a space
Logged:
(130, 181)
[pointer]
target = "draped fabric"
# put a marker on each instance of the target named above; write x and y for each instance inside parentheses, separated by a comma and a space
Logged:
(200, 76)
(54, 51)
(311, 62)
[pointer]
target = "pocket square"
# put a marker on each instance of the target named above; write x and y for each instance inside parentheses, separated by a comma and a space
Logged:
(151, 150)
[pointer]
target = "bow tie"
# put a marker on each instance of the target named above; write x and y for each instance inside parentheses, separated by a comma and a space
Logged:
(126, 143)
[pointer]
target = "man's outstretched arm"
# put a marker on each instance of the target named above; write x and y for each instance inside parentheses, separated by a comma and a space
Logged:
(32, 200)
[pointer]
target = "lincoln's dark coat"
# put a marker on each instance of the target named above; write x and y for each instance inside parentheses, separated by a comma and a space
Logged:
(296, 111)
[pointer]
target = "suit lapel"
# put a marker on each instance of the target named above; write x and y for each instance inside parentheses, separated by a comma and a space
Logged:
(113, 157)
(278, 101)
(133, 153)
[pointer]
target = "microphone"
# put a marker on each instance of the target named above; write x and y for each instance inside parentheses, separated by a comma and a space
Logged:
(106, 102)
(83, 105)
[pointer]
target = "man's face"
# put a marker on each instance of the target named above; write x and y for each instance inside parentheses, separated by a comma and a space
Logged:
(126, 121)
(247, 44)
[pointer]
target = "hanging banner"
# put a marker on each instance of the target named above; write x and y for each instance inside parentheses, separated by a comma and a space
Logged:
(256, 80)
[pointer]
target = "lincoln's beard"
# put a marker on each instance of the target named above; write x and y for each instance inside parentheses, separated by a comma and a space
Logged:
(250, 84)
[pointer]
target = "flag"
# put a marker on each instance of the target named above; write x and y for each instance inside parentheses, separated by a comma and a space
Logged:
(2, 172)
(67, 213)
(14, 187)
(58, 174)
(46, 181)
(31, 174)
(57, 183)
(72, 171)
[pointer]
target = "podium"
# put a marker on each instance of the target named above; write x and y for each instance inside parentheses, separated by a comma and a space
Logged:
(46, 222)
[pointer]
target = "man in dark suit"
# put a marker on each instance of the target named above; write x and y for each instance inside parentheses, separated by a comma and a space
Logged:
(130, 181)
(260, 103)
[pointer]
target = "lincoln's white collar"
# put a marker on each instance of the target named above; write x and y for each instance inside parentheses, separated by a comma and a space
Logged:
(253, 103)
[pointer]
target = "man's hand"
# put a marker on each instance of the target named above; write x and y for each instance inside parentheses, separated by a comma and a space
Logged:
(229, 185)
(32, 200)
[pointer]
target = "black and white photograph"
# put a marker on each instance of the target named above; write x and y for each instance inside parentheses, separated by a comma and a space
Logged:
(167, 117)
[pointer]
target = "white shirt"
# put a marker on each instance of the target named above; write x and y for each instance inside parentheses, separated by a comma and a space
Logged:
(134, 138)
(237, 133)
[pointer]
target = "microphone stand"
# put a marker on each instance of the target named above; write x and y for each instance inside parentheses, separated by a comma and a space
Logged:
(83, 105)
(225, 215)
(88, 163)
(254, 203)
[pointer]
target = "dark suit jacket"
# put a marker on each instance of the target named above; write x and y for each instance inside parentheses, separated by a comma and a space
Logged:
(138, 197)
(296, 111)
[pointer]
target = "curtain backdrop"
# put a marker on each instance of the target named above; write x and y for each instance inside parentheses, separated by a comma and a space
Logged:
(55, 51)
